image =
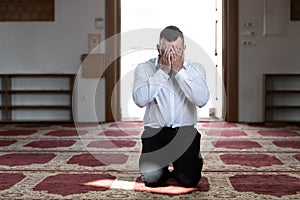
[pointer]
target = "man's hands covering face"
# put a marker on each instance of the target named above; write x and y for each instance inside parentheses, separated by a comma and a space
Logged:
(171, 58)
(165, 59)
(177, 58)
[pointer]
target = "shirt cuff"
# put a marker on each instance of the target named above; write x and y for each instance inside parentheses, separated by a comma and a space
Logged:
(182, 74)
(160, 76)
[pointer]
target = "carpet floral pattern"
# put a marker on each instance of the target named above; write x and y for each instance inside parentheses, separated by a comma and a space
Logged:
(241, 161)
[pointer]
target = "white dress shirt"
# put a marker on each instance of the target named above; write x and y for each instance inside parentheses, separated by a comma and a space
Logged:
(170, 100)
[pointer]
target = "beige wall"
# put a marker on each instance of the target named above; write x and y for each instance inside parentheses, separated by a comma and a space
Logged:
(50, 47)
(270, 54)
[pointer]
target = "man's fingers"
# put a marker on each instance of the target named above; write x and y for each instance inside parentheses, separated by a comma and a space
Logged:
(174, 49)
(169, 59)
(166, 52)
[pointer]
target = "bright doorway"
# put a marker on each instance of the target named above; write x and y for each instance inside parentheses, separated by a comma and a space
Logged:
(201, 23)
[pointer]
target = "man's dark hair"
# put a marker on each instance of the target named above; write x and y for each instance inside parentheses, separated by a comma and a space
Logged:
(171, 34)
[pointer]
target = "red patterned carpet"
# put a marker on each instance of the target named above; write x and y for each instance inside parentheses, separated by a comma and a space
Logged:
(241, 161)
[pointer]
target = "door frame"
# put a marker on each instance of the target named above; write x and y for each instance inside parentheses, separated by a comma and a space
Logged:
(113, 70)
(230, 60)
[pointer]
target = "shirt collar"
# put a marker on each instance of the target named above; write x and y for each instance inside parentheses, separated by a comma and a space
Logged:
(156, 64)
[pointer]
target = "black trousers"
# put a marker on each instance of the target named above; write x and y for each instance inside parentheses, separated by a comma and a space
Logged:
(179, 146)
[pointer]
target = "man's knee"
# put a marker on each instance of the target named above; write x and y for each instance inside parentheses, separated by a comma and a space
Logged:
(188, 181)
(153, 178)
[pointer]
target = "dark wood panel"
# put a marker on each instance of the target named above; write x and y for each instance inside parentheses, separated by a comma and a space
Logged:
(295, 10)
(27, 10)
